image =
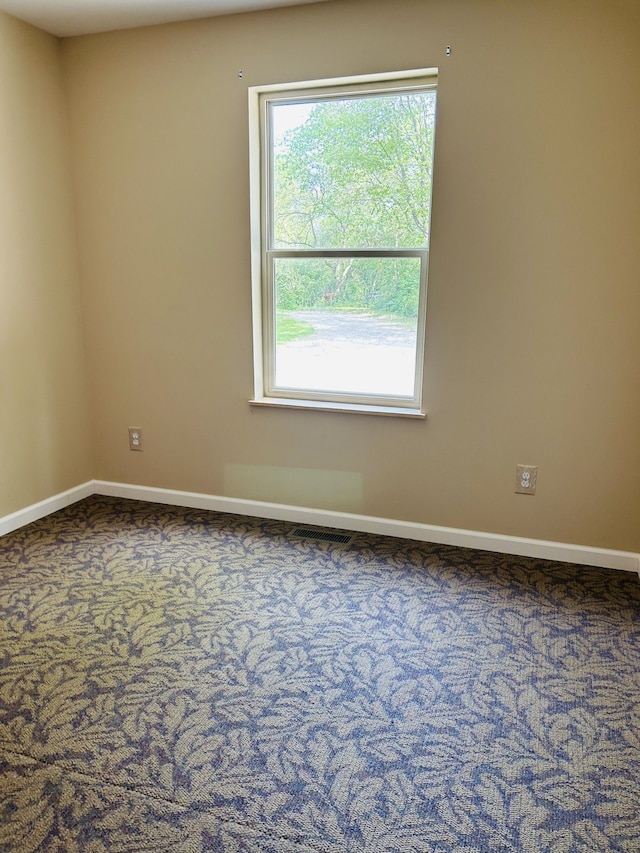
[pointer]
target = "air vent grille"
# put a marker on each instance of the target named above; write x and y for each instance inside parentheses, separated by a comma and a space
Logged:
(321, 535)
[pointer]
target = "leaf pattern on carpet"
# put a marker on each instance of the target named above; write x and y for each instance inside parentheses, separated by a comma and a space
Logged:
(172, 679)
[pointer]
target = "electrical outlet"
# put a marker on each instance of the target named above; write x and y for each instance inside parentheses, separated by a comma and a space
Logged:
(135, 438)
(526, 479)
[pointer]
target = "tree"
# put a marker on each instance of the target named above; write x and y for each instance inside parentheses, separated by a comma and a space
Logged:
(355, 174)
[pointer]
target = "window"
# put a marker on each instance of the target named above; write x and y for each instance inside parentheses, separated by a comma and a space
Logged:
(341, 205)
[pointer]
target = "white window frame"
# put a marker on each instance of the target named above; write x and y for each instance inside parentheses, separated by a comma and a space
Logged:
(263, 255)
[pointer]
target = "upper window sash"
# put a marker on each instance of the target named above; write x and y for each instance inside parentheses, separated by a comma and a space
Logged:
(372, 88)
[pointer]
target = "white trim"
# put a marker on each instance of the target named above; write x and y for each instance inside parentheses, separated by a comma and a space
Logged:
(518, 546)
(324, 406)
(32, 513)
(355, 79)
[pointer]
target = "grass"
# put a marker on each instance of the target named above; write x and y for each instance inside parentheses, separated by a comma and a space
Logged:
(288, 329)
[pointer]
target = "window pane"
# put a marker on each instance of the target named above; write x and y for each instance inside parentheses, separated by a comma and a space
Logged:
(353, 172)
(346, 325)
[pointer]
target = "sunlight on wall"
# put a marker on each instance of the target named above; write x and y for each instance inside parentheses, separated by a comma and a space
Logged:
(337, 490)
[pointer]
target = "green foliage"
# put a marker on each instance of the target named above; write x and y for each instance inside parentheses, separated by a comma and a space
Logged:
(289, 329)
(355, 174)
(379, 285)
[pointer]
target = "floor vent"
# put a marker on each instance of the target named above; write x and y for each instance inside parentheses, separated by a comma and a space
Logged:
(321, 535)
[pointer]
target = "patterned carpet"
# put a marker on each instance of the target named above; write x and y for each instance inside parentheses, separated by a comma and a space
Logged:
(175, 680)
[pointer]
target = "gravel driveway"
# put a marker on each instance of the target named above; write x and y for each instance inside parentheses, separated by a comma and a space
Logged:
(349, 352)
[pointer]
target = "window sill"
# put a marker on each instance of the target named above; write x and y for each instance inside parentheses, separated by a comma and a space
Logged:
(350, 408)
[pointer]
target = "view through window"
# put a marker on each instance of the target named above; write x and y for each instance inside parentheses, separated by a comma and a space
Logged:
(346, 208)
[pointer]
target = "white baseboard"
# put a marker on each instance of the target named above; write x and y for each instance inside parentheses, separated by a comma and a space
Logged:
(518, 546)
(45, 507)
(538, 548)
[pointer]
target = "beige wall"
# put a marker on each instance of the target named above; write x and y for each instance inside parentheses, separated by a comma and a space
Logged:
(533, 339)
(44, 435)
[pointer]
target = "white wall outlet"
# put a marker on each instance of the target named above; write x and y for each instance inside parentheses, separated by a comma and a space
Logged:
(526, 479)
(135, 438)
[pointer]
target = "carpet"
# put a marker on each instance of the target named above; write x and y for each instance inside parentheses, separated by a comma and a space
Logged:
(178, 680)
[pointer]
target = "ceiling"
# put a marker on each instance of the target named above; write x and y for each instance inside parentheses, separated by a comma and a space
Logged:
(78, 17)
